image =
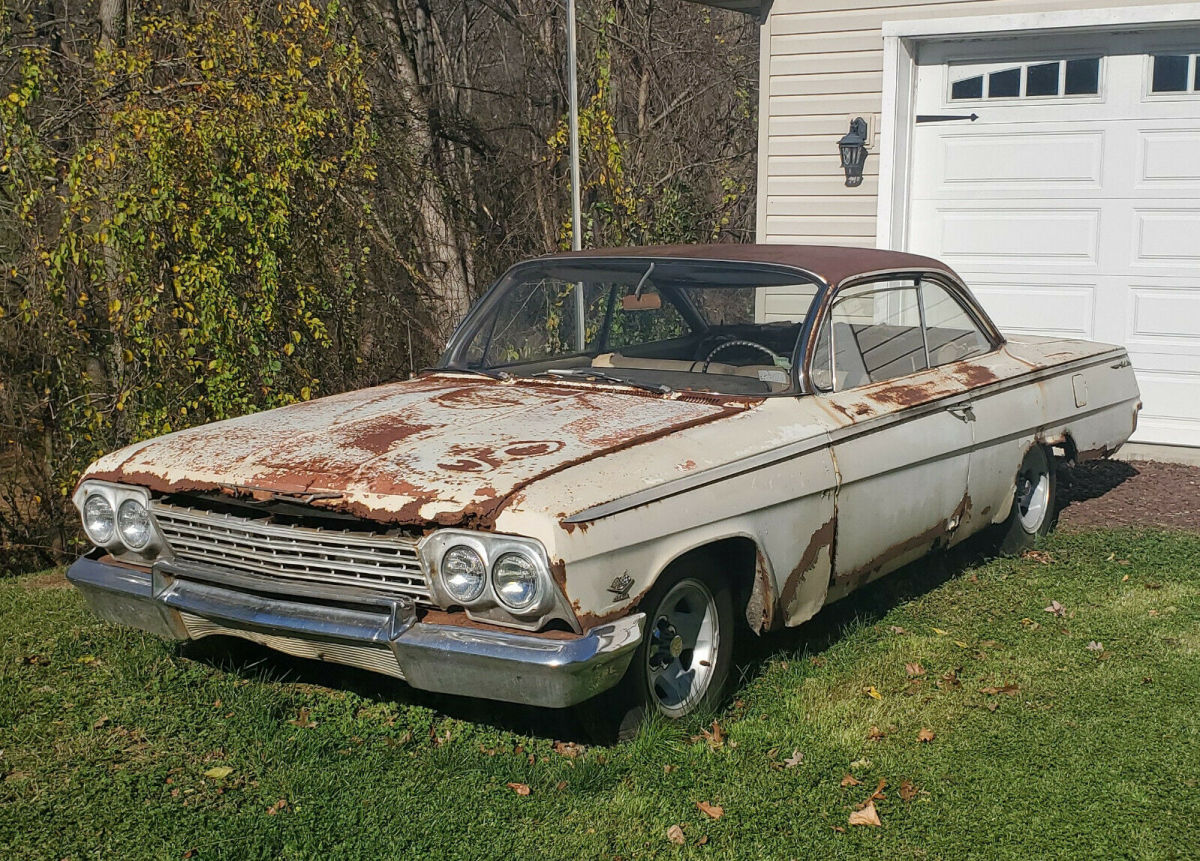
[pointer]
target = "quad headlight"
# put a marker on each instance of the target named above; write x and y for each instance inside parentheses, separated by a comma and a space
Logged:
(116, 517)
(499, 578)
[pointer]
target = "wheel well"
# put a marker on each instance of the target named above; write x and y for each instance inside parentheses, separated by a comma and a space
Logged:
(738, 560)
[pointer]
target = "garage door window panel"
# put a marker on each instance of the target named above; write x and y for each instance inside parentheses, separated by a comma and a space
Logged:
(1044, 79)
(1175, 73)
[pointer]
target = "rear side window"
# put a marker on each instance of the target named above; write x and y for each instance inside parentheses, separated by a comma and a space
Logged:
(888, 329)
(949, 330)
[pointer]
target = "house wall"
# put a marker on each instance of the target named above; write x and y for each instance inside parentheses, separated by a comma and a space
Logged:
(820, 66)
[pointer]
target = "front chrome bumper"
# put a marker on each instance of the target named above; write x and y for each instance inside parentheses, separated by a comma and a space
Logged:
(380, 634)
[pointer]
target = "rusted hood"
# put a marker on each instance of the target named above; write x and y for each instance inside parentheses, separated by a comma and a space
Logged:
(442, 448)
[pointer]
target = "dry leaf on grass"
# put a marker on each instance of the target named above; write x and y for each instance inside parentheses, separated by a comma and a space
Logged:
(896, 629)
(925, 735)
(1038, 556)
(877, 795)
(712, 811)
(1093, 646)
(568, 749)
(875, 734)
(866, 816)
(218, 772)
(870, 691)
(675, 835)
(850, 780)
(795, 759)
(940, 632)
(914, 669)
(1010, 689)
(519, 788)
(715, 737)
(907, 791)
(1056, 608)
(302, 720)
(278, 807)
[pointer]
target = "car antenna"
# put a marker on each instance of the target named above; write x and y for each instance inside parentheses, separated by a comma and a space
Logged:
(637, 292)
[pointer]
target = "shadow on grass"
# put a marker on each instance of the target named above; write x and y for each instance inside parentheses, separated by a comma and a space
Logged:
(868, 604)
(865, 606)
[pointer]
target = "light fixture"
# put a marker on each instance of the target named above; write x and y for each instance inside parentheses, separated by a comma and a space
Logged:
(853, 147)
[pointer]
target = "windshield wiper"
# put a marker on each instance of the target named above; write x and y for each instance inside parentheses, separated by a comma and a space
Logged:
(593, 374)
(502, 376)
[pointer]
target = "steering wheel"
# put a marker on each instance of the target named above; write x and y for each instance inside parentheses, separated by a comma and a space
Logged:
(738, 342)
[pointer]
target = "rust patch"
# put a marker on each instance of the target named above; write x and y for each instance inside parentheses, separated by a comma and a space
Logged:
(379, 435)
(975, 375)
(761, 608)
(533, 448)
(587, 621)
(823, 537)
(461, 620)
(929, 537)
(906, 395)
(558, 570)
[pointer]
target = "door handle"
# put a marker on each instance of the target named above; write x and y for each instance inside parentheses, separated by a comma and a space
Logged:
(965, 412)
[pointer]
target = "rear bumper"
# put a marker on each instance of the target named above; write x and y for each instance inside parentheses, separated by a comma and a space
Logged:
(381, 634)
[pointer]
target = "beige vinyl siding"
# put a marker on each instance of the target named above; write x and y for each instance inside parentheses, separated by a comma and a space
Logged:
(821, 65)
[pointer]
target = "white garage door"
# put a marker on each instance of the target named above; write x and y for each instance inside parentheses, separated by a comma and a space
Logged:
(1071, 205)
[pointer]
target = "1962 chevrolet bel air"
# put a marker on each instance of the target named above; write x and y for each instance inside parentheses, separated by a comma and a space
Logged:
(625, 459)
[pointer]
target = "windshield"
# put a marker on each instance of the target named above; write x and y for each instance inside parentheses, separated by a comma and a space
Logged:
(663, 324)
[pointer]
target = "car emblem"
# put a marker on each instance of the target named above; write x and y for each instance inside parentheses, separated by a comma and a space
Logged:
(620, 586)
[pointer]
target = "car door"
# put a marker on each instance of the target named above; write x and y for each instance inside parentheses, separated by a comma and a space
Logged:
(903, 441)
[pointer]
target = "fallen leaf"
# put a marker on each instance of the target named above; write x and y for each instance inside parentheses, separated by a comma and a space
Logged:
(877, 795)
(519, 788)
(795, 759)
(712, 811)
(667, 769)
(278, 807)
(925, 736)
(817, 662)
(218, 772)
(715, 737)
(850, 780)
(866, 816)
(100, 721)
(89, 659)
(863, 764)
(1056, 608)
(1093, 646)
(896, 629)
(1038, 556)
(875, 734)
(302, 720)
(914, 669)
(839, 829)
(870, 691)
(568, 749)
(560, 786)
(993, 706)
(1125, 579)
(675, 835)
(703, 841)
(907, 791)
(1010, 689)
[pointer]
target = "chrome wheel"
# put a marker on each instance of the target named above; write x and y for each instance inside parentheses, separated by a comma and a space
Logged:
(684, 638)
(1033, 493)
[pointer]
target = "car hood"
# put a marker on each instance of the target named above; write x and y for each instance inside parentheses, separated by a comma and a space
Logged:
(442, 448)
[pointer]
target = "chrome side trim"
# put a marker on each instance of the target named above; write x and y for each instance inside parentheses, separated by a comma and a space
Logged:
(761, 460)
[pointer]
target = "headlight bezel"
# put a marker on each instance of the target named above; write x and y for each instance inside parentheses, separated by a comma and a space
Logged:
(116, 495)
(548, 603)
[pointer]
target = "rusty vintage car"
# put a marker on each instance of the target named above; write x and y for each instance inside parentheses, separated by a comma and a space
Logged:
(624, 459)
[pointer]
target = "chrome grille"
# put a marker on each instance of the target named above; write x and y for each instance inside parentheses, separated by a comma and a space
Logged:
(294, 554)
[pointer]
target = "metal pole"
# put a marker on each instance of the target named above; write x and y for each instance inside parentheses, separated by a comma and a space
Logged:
(573, 130)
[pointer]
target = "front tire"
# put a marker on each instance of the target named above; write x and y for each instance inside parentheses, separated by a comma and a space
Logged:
(681, 667)
(1032, 514)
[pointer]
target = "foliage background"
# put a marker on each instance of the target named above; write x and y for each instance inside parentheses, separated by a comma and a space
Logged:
(210, 208)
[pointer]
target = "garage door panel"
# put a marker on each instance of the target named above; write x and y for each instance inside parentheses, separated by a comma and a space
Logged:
(1170, 157)
(1038, 159)
(1023, 307)
(1169, 396)
(1166, 317)
(1167, 237)
(1053, 237)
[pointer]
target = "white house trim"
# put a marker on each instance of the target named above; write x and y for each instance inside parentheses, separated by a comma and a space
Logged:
(900, 41)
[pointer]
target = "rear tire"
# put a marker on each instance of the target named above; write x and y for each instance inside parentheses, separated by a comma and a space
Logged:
(681, 667)
(1032, 515)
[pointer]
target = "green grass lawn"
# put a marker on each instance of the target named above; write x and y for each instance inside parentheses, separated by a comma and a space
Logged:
(114, 744)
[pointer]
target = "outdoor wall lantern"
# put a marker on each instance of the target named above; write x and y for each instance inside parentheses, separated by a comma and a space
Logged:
(853, 148)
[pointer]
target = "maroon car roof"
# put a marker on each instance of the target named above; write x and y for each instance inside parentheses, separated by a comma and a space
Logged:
(833, 264)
